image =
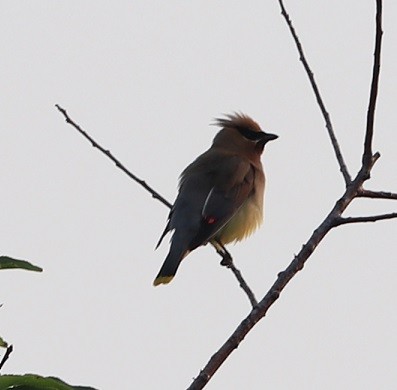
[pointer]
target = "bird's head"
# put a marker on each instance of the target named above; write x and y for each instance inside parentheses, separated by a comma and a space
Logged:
(241, 132)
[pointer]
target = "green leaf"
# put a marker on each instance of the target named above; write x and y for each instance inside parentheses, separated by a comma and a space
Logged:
(8, 262)
(3, 343)
(36, 382)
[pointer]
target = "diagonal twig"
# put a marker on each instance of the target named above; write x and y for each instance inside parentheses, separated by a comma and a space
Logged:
(107, 153)
(367, 155)
(310, 74)
(370, 218)
(376, 194)
(243, 284)
(227, 261)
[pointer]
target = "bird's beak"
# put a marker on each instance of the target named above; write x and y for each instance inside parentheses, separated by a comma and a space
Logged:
(268, 137)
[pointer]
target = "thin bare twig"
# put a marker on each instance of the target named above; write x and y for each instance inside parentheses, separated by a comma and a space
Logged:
(376, 194)
(370, 218)
(227, 261)
(310, 74)
(367, 155)
(243, 284)
(108, 154)
(6, 356)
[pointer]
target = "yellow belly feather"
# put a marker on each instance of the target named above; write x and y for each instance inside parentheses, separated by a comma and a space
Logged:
(247, 219)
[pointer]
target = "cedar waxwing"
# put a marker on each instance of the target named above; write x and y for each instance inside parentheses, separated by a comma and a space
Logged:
(220, 197)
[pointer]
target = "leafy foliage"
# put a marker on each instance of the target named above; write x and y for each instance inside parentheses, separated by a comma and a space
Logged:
(3, 343)
(9, 263)
(36, 382)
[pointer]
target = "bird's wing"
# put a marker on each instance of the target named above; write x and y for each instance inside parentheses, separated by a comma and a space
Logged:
(233, 186)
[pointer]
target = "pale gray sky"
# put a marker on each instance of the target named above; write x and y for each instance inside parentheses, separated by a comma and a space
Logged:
(145, 78)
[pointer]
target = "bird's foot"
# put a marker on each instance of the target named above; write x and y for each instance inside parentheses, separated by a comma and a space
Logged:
(227, 260)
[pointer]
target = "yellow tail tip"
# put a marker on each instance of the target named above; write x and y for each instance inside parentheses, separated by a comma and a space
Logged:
(162, 280)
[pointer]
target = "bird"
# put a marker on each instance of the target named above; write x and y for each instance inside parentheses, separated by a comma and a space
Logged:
(221, 193)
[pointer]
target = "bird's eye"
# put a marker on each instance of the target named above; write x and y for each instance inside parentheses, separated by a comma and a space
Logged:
(250, 134)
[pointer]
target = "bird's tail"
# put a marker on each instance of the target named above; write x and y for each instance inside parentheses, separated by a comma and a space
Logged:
(170, 265)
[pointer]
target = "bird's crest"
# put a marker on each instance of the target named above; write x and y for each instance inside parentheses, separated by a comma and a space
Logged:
(238, 120)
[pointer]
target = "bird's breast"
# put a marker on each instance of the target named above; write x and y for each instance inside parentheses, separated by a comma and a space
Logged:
(246, 220)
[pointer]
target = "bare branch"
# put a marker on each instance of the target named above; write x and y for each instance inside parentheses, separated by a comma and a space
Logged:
(310, 74)
(367, 155)
(260, 310)
(371, 218)
(333, 219)
(376, 194)
(243, 284)
(227, 261)
(6, 356)
(108, 154)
